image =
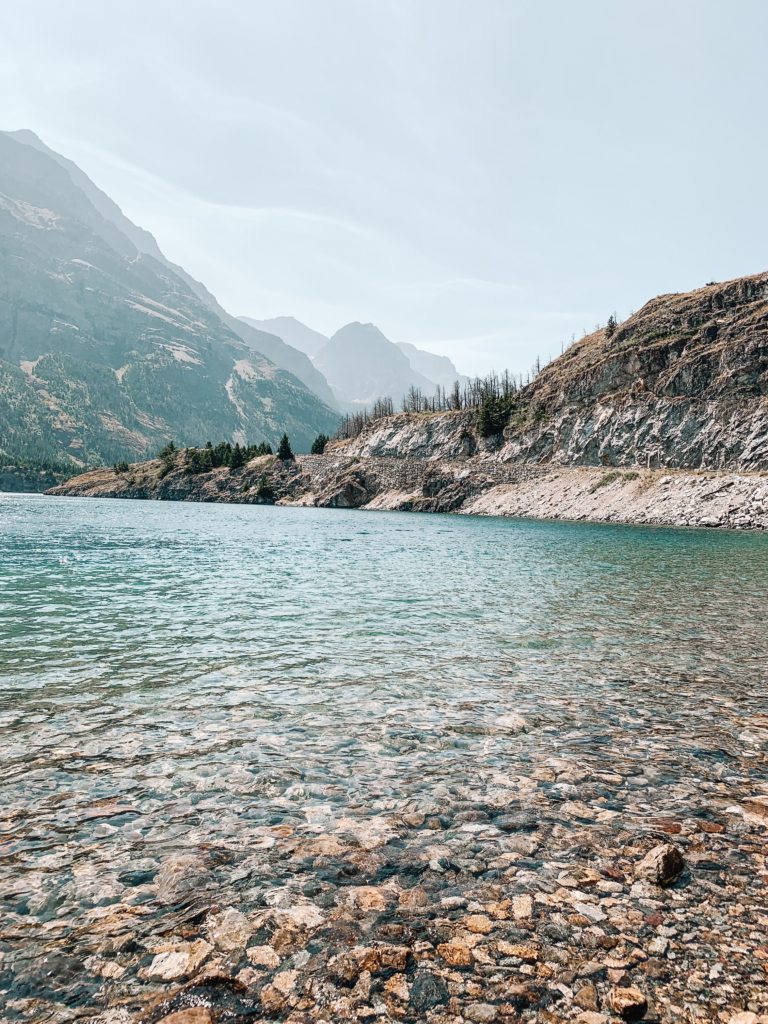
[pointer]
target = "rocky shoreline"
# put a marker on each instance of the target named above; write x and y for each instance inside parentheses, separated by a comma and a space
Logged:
(559, 890)
(473, 486)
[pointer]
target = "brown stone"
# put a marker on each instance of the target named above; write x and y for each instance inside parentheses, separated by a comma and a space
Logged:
(480, 1013)
(521, 950)
(365, 898)
(662, 865)
(522, 907)
(229, 929)
(413, 899)
(397, 986)
(711, 827)
(454, 953)
(479, 924)
(756, 805)
(263, 956)
(586, 998)
(288, 940)
(629, 1003)
(272, 999)
(179, 960)
(194, 1015)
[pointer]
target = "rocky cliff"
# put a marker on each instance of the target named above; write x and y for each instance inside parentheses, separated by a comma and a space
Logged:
(683, 383)
(474, 486)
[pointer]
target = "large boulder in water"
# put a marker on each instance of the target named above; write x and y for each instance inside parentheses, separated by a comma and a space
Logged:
(663, 865)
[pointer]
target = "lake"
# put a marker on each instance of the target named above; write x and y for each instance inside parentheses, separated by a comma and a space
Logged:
(212, 715)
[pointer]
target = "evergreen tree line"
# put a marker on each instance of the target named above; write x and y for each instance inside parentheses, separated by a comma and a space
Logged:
(203, 460)
(46, 464)
(233, 456)
(493, 397)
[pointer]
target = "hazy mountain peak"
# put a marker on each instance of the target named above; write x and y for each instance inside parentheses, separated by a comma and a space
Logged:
(292, 331)
(361, 364)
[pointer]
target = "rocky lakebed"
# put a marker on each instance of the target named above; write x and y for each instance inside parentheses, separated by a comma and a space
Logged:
(557, 882)
(296, 765)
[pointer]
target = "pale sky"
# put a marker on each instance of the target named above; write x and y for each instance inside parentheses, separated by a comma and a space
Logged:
(483, 178)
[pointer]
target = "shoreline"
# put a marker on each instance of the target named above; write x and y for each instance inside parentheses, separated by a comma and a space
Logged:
(709, 499)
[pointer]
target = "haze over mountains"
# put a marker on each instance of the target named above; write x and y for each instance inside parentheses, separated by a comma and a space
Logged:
(361, 364)
(292, 331)
(108, 349)
(260, 341)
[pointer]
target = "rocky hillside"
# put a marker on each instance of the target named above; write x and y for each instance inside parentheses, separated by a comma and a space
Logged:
(105, 350)
(264, 341)
(682, 383)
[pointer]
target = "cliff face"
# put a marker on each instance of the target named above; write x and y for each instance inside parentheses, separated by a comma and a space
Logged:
(476, 486)
(682, 383)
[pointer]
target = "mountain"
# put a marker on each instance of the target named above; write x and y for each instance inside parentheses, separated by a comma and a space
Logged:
(283, 355)
(362, 365)
(267, 343)
(432, 369)
(439, 369)
(660, 420)
(292, 331)
(682, 383)
(106, 349)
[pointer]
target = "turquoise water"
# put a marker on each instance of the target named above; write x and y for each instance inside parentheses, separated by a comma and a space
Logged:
(180, 676)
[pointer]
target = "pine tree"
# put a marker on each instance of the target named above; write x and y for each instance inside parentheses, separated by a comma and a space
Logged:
(318, 445)
(284, 450)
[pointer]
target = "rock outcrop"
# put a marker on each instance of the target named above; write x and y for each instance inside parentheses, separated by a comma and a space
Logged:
(682, 384)
(477, 487)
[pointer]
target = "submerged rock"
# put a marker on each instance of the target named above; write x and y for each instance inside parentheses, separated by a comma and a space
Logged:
(229, 929)
(179, 876)
(193, 1015)
(662, 865)
(179, 961)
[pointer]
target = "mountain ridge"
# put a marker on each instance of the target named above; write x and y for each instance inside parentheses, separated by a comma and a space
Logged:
(428, 371)
(662, 419)
(105, 351)
(264, 342)
(292, 331)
